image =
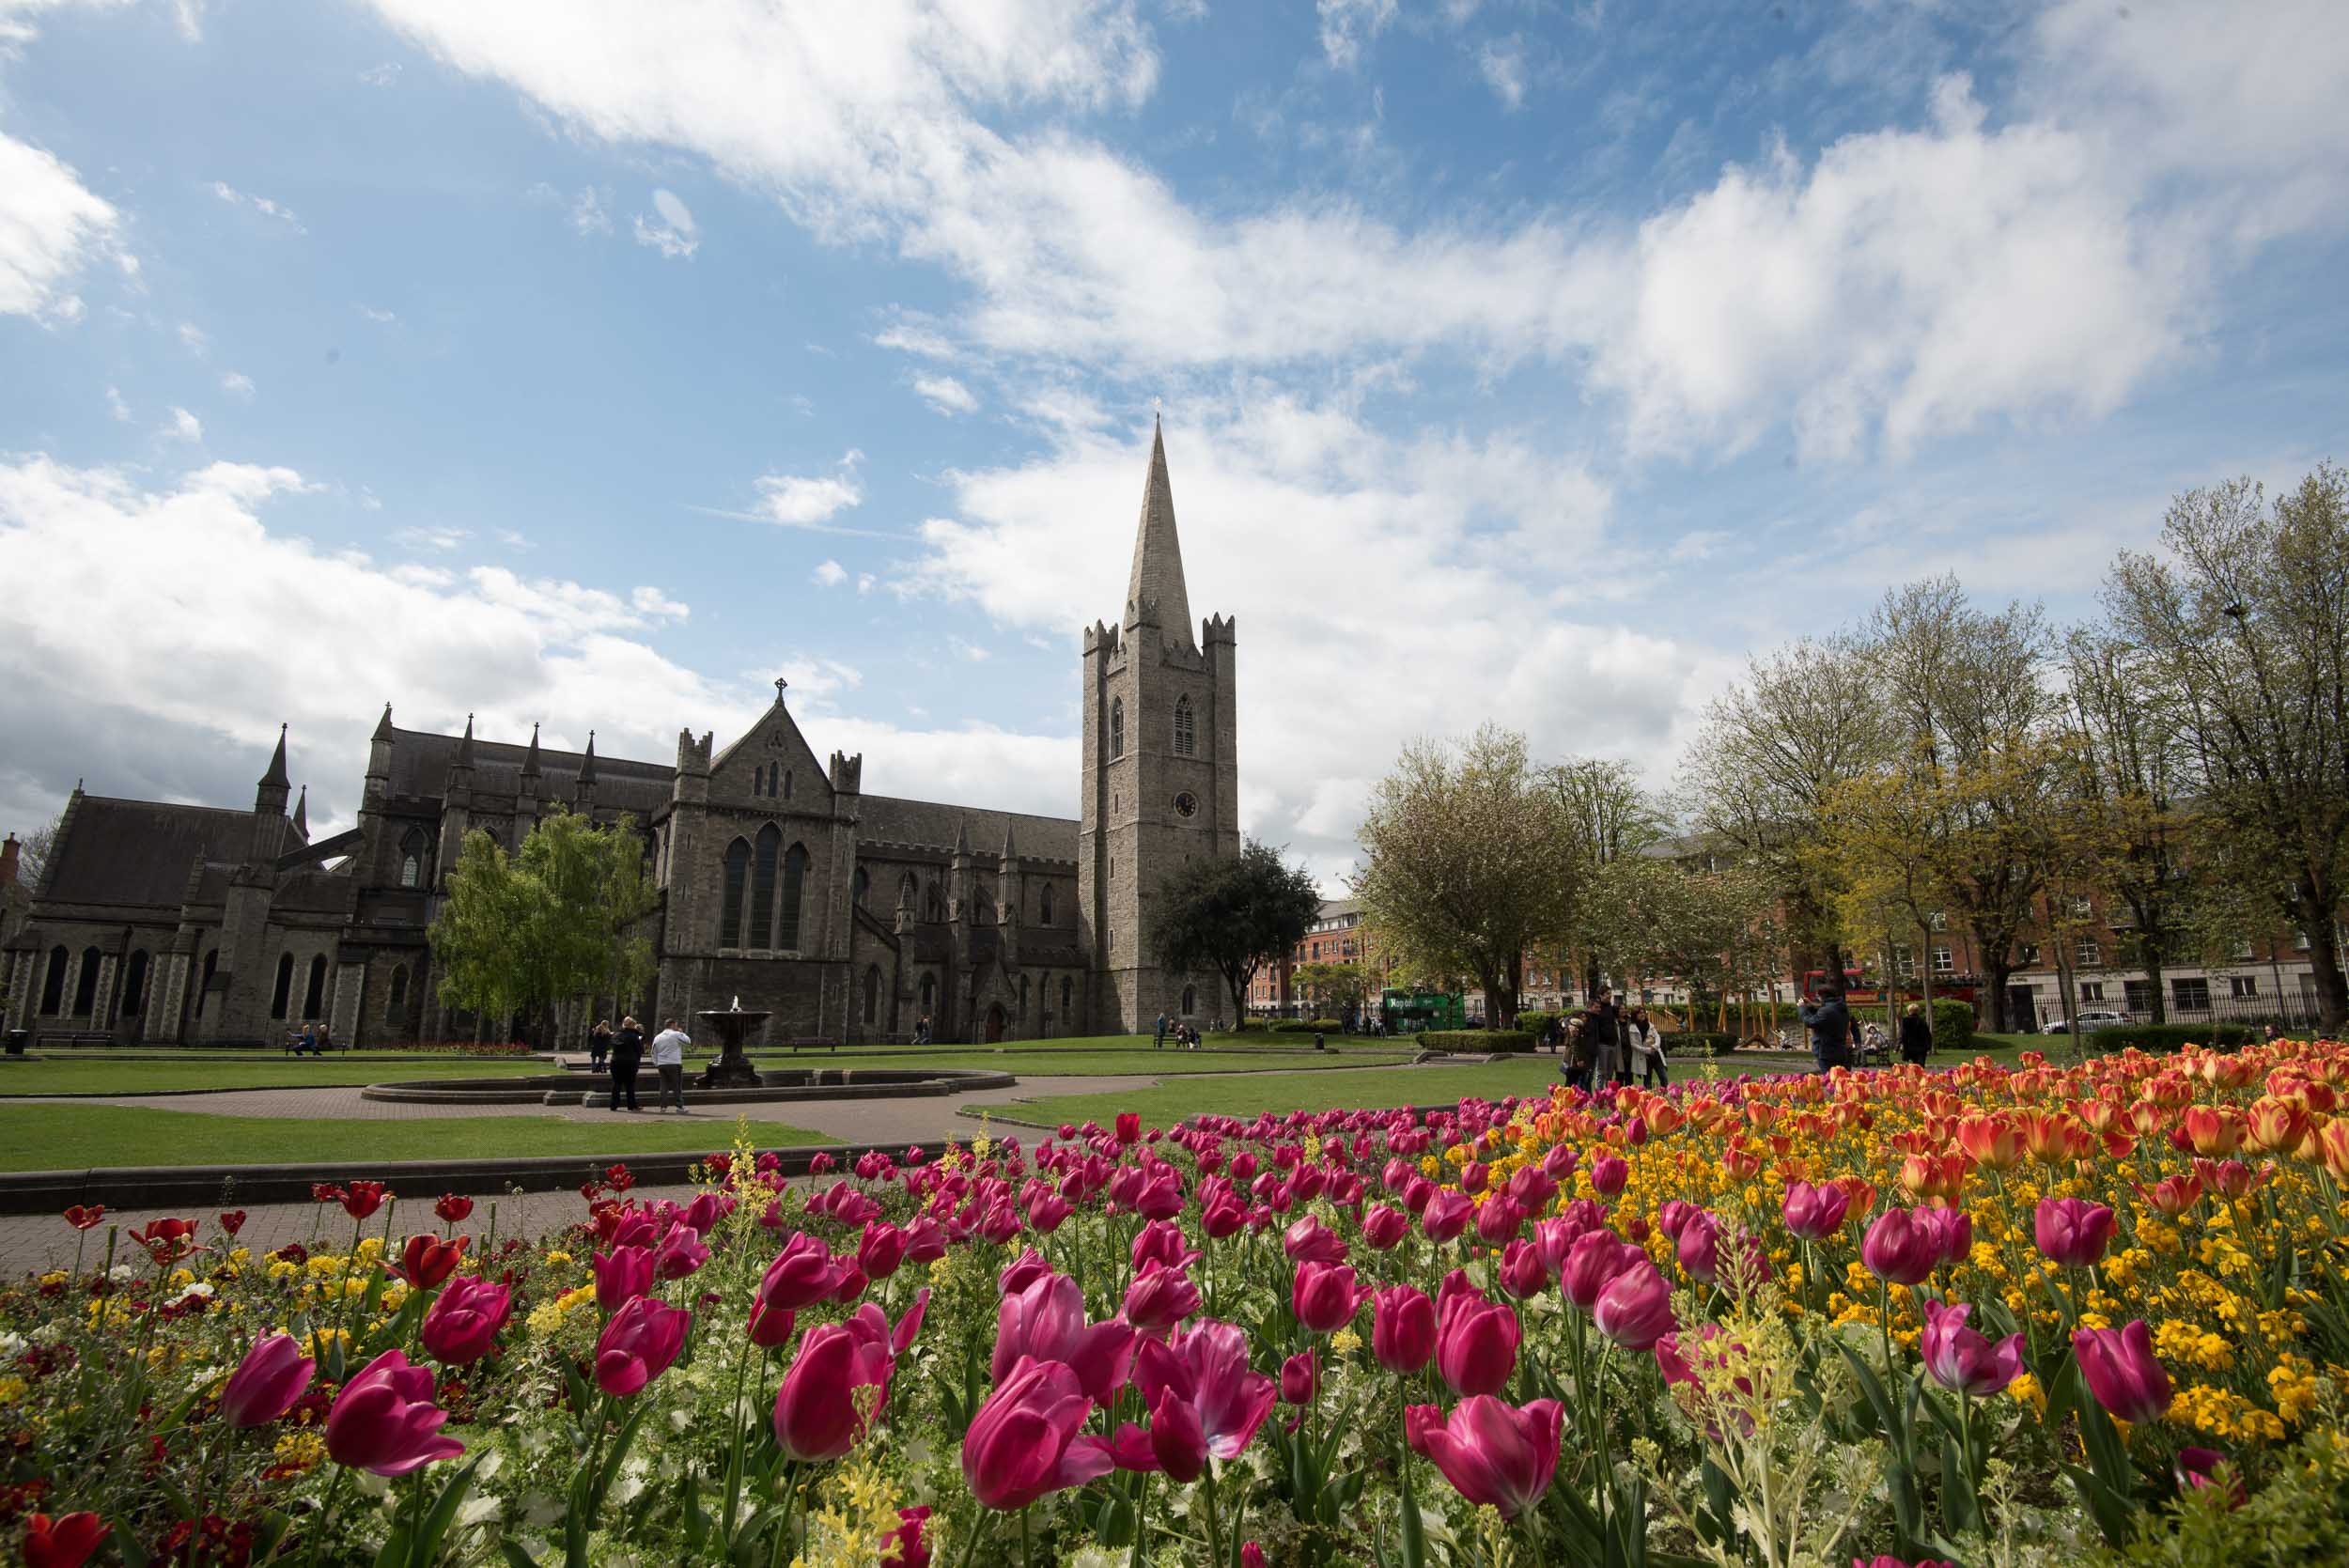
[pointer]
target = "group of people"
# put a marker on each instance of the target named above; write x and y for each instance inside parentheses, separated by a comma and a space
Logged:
(1834, 1031)
(1186, 1036)
(1605, 1044)
(313, 1040)
(623, 1050)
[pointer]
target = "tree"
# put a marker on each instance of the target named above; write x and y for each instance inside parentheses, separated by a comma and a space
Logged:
(1711, 928)
(559, 919)
(32, 857)
(2242, 624)
(1609, 820)
(1333, 988)
(1233, 915)
(1466, 862)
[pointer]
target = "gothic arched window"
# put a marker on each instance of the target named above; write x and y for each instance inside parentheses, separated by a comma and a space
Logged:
(314, 995)
(1023, 995)
(1065, 990)
(1118, 728)
(730, 910)
(1186, 730)
(204, 984)
(862, 885)
(872, 996)
(396, 1004)
(794, 886)
(763, 886)
(86, 986)
(934, 904)
(284, 994)
(787, 787)
(1190, 1002)
(134, 984)
(929, 993)
(412, 849)
(53, 983)
(1044, 905)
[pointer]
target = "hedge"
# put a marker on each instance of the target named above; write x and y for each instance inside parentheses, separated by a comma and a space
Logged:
(1536, 1021)
(1309, 1025)
(1953, 1025)
(1475, 1042)
(1699, 1042)
(2170, 1036)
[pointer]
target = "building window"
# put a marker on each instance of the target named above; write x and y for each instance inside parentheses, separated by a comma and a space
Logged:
(862, 885)
(2082, 909)
(929, 993)
(934, 903)
(2243, 949)
(204, 984)
(1023, 995)
(794, 884)
(2190, 995)
(85, 985)
(1944, 961)
(412, 849)
(134, 984)
(1186, 730)
(1066, 991)
(737, 878)
(2137, 995)
(787, 785)
(2091, 990)
(1190, 1002)
(396, 1001)
(1044, 905)
(1938, 921)
(2030, 953)
(314, 995)
(53, 983)
(2299, 941)
(280, 997)
(2086, 954)
(2241, 986)
(1905, 960)
(1118, 728)
(872, 996)
(763, 885)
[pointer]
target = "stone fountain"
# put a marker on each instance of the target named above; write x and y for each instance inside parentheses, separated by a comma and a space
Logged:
(732, 1069)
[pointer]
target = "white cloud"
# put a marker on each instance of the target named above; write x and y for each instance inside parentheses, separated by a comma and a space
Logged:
(799, 501)
(864, 583)
(589, 213)
(381, 318)
(50, 227)
(189, 15)
(946, 394)
(237, 384)
(675, 236)
(195, 339)
(117, 406)
(439, 537)
(382, 76)
(185, 426)
(830, 574)
(654, 605)
(1502, 62)
(968, 650)
(262, 204)
(1347, 26)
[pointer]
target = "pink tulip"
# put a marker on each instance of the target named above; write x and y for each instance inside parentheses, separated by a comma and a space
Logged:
(1161, 1297)
(1596, 1257)
(1476, 1344)
(1814, 1213)
(1952, 1233)
(881, 1249)
(1960, 1358)
(1522, 1272)
(1046, 1210)
(2198, 1467)
(1499, 1218)
(384, 1420)
(1446, 1216)
(819, 1415)
(1384, 1227)
(1697, 1245)
(1310, 1241)
(1048, 1321)
(1673, 1215)
(463, 1323)
(638, 1344)
(2121, 1371)
(1203, 1371)
(1402, 1329)
(1610, 1173)
(273, 1374)
(770, 1326)
(1161, 1241)
(1021, 1272)
(2072, 1232)
(1300, 1377)
(680, 1252)
(1494, 1455)
(1324, 1296)
(1900, 1249)
(1024, 1444)
(1634, 1307)
(1532, 1189)
(621, 1275)
(804, 1273)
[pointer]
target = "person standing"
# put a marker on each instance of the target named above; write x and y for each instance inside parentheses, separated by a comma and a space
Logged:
(1647, 1045)
(1581, 1054)
(668, 1059)
(599, 1044)
(1604, 1028)
(1159, 1041)
(628, 1054)
(1916, 1035)
(1830, 1025)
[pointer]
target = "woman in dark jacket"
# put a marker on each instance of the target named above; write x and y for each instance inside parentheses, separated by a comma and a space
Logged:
(628, 1054)
(1916, 1035)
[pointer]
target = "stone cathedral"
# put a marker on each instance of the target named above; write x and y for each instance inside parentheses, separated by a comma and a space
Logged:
(850, 916)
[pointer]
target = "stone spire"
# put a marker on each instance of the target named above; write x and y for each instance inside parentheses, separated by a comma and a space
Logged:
(383, 725)
(301, 815)
(463, 756)
(586, 762)
(269, 801)
(1158, 575)
(530, 761)
(276, 777)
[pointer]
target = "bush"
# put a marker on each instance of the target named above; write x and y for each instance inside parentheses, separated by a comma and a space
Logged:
(2170, 1036)
(1699, 1042)
(1475, 1042)
(1953, 1025)
(1309, 1025)
(1536, 1021)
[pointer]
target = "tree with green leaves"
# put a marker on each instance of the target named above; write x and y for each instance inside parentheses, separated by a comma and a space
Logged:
(2241, 623)
(1234, 915)
(1468, 863)
(1333, 988)
(560, 918)
(1610, 819)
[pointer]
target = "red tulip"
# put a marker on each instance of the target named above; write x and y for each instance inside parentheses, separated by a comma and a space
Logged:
(2121, 1371)
(1494, 1455)
(1814, 1213)
(1309, 1240)
(273, 1374)
(1024, 1444)
(426, 1261)
(1959, 1358)
(361, 1198)
(1610, 1173)
(819, 1414)
(1324, 1296)
(1203, 1371)
(167, 1241)
(1634, 1307)
(463, 1323)
(231, 1221)
(1899, 1249)
(82, 1218)
(1128, 1126)
(2071, 1230)
(1402, 1329)
(384, 1420)
(803, 1272)
(1300, 1377)
(638, 1344)
(1161, 1297)
(1476, 1344)
(1446, 1214)
(1047, 1321)
(452, 1209)
(62, 1543)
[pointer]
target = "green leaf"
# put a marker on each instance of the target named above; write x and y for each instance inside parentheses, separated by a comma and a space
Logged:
(134, 1553)
(619, 1451)
(515, 1556)
(443, 1511)
(394, 1553)
(1414, 1531)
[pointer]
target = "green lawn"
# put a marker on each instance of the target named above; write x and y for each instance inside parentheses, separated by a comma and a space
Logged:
(77, 1137)
(1032, 1062)
(97, 1075)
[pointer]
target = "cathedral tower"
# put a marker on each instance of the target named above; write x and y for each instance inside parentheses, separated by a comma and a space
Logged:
(1162, 772)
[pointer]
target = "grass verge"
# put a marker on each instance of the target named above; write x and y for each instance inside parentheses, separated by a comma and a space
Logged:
(98, 1075)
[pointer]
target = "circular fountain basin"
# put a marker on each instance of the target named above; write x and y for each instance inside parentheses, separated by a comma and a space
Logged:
(776, 1084)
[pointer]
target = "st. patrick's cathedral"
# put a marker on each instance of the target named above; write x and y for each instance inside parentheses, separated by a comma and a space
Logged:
(850, 916)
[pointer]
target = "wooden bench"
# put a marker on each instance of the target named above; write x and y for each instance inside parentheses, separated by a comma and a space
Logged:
(75, 1037)
(810, 1042)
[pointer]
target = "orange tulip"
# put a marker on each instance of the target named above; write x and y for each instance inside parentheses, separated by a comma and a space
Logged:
(2213, 1130)
(2100, 1115)
(1862, 1193)
(2332, 1147)
(2119, 1145)
(2148, 1118)
(1740, 1164)
(2276, 1124)
(1991, 1140)
(2172, 1195)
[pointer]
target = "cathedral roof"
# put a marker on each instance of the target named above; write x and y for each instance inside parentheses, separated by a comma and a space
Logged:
(1158, 575)
(884, 819)
(420, 767)
(115, 851)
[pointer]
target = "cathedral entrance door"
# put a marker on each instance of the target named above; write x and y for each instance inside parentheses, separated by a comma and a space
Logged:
(994, 1026)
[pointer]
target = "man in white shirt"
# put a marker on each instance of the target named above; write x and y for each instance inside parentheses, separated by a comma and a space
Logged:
(668, 1055)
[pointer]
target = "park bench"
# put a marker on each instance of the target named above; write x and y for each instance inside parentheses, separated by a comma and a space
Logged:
(812, 1042)
(77, 1037)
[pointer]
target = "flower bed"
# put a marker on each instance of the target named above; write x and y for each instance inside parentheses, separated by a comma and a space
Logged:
(2033, 1316)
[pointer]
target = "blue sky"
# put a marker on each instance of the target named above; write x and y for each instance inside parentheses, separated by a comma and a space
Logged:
(592, 363)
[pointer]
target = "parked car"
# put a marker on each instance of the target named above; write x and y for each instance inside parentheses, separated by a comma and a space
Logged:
(2090, 1019)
